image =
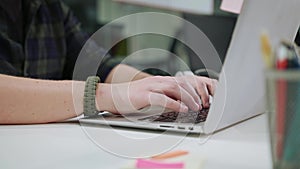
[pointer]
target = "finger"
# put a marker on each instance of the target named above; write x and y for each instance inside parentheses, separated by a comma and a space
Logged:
(212, 85)
(188, 99)
(172, 87)
(179, 93)
(157, 99)
(191, 90)
(204, 94)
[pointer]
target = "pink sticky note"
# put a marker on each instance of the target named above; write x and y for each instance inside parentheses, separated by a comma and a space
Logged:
(151, 164)
(234, 6)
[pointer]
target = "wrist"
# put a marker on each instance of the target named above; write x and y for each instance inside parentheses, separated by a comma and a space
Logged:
(96, 97)
(104, 98)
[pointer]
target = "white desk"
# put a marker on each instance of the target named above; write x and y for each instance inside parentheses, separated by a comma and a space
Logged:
(66, 146)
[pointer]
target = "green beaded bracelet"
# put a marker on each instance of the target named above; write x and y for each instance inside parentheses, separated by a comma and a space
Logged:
(89, 103)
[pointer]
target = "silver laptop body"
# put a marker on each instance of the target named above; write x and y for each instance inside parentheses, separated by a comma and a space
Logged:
(240, 92)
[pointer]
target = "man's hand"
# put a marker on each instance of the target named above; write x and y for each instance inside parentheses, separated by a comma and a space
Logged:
(175, 93)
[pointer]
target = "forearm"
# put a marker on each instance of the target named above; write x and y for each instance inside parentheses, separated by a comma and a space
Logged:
(26, 100)
(124, 73)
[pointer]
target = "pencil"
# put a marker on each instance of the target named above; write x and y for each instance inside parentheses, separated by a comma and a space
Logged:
(266, 50)
(170, 155)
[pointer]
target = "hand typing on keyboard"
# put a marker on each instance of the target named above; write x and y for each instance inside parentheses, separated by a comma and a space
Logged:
(175, 93)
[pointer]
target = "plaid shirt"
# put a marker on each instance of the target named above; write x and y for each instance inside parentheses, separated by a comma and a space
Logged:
(52, 41)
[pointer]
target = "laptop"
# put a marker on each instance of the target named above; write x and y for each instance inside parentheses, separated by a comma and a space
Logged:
(240, 93)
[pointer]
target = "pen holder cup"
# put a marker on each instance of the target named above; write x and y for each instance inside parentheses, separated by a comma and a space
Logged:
(283, 106)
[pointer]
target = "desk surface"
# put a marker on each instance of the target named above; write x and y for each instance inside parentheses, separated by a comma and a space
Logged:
(69, 146)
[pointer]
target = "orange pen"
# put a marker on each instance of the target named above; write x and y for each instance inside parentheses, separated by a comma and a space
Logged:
(170, 155)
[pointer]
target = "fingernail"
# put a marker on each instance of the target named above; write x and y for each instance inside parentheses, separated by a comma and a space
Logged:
(185, 108)
(207, 104)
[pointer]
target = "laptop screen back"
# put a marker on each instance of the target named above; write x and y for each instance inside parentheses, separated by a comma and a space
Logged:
(240, 93)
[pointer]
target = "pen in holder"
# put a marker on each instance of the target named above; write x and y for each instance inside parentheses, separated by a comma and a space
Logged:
(283, 102)
(282, 78)
(283, 105)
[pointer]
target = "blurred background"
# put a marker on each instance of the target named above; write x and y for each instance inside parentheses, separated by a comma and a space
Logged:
(205, 14)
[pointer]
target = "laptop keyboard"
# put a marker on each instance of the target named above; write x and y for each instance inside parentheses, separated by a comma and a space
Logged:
(187, 117)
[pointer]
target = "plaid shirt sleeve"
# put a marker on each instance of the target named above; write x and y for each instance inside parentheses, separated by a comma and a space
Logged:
(52, 43)
(75, 39)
